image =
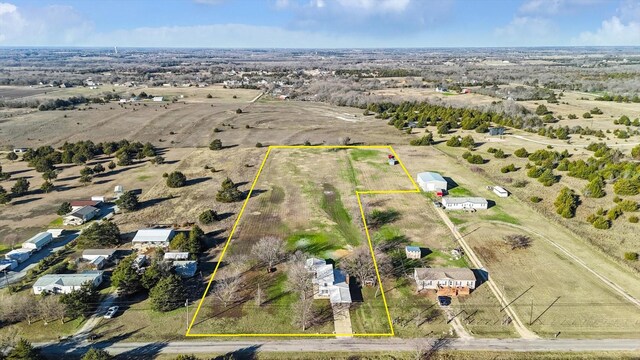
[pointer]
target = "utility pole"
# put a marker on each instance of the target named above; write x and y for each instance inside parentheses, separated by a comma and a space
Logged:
(186, 304)
(531, 313)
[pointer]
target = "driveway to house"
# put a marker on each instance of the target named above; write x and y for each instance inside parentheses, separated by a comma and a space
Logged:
(520, 328)
(456, 324)
(94, 320)
(342, 319)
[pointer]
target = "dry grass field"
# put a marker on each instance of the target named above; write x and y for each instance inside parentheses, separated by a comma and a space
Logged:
(484, 230)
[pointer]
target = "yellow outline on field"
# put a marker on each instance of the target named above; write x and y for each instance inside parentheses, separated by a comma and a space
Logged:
(366, 230)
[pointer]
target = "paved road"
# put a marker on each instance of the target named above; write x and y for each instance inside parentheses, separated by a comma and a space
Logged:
(338, 345)
(519, 326)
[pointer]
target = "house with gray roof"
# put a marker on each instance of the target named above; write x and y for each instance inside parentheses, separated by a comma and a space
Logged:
(328, 283)
(446, 281)
(185, 269)
(66, 283)
(80, 216)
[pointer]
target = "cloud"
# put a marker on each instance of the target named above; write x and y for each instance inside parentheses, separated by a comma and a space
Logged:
(55, 24)
(613, 31)
(526, 31)
(378, 17)
(554, 7)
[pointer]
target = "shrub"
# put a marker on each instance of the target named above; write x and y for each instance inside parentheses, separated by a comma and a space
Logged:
(238, 111)
(587, 115)
(520, 183)
(631, 256)
(594, 188)
(521, 153)
(258, 144)
(626, 187)
(633, 219)
(601, 223)
(64, 209)
(535, 199)
(535, 172)
(492, 150)
(572, 116)
(454, 141)
(547, 178)
(614, 213)
(628, 205)
(596, 111)
(475, 159)
(176, 179)
(566, 203)
(507, 169)
(12, 156)
(466, 154)
(499, 154)
(208, 216)
(216, 144)
(425, 140)
(216, 130)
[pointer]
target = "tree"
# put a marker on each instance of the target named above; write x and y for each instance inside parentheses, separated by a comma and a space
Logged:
(85, 179)
(238, 110)
(98, 169)
(24, 308)
(154, 272)
(229, 192)
(20, 187)
(208, 217)
(196, 237)
(125, 276)
(64, 209)
(216, 144)
(124, 159)
(128, 201)
(499, 154)
(79, 303)
(547, 178)
(102, 234)
(454, 141)
(111, 165)
(425, 140)
(176, 179)
(635, 152)
(50, 175)
(86, 171)
(50, 308)
(47, 187)
(96, 354)
(225, 289)
(566, 203)
(158, 160)
(595, 188)
(467, 142)
(542, 110)
(12, 156)
(587, 115)
(5, 197)
(269, 250)
(360, 264)
(168, 294)
(23, 350)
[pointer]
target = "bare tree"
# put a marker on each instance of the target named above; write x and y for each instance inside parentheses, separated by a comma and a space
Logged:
(25, 308)
(303, 310)
(516, 241)
(269, 250)
(360, 264)
(226, 289)
(259, 295)
(299, 279)
(50, 308)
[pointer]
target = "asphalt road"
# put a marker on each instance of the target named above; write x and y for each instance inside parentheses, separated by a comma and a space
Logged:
(339, 345)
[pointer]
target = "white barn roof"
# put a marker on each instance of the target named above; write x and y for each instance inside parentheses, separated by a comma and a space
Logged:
(153, 235)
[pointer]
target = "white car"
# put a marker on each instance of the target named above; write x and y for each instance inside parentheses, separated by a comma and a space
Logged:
(111, 312)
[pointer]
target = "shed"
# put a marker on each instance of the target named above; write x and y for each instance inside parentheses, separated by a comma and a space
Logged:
(500, 191)
(413, 252)
(92, 254)
(174, 255)
(431, 181)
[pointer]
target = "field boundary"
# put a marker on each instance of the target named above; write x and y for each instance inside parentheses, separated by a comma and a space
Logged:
(415, 189)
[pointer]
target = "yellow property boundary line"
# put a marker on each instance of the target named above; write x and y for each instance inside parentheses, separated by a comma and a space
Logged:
(366, 229)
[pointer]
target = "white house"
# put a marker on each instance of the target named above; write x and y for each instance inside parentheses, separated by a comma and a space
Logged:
(329, 283)
(80, 216)
(447, 281)
(464, 203)
(500, 191)
(66, 283)
(38, 241)
(431, 181)
(153, 238)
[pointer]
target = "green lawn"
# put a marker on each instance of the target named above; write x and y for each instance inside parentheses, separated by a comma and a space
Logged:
(332, 204)
(317, 244)
(364, 154)
(370, 315)
(38, 331)
(459, 191)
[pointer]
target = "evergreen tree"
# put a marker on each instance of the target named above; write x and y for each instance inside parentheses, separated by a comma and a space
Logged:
(23, 350)
(20, 187)
(64, 209)
(168, 294)
(102, 234)
(566, 203)
(176, 179)
(125, 276)
(5, 197)
(128, 201)
(594, 188)
(79, 303)
(96, 354)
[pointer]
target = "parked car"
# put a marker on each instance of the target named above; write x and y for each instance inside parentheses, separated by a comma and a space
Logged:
(444, 300)
(111, 312)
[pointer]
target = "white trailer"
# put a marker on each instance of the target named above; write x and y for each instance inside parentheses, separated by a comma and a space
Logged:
(38, 241)
(18, 255)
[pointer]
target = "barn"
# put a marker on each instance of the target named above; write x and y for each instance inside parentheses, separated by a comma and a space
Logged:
(431, 181)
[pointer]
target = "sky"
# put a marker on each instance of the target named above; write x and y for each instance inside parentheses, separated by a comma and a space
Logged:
(319, 23)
